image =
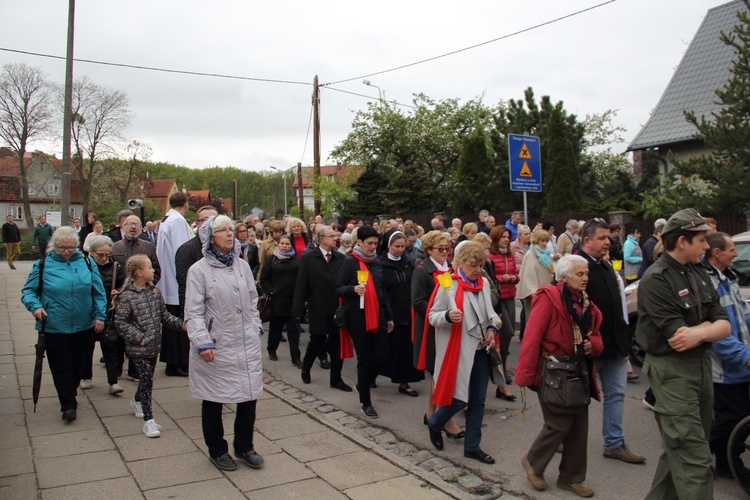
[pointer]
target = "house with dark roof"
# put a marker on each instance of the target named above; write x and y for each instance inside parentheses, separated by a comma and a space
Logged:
(44, 181)
(704, 68)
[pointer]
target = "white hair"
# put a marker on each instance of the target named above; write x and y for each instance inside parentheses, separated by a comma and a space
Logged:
(62, 233)
(572, 223)
(564, 266)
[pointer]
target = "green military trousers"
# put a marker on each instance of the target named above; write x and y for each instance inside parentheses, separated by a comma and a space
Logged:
(683, 389)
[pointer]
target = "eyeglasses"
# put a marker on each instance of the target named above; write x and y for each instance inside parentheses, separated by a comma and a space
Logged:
(330, 236)
(202, 220)
(66, 249)
(442, 249)
(242, 231)
(136, 224)
(101, 255)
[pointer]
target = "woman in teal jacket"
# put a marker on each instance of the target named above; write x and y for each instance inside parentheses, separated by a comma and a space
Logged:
(632, 254)
(71, 308)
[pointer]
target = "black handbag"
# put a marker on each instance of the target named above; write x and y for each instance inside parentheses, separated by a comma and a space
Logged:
(496, 367)
(264, 307)
(565, 385)
(342, 313)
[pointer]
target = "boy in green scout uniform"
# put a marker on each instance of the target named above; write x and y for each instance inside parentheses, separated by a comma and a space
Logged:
(679, 315)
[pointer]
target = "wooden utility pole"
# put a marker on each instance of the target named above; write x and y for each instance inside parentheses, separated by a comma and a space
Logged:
(316, 147)
(67, 119)
(301, 192)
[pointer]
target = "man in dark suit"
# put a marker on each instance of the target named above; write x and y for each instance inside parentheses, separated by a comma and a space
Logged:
(118, 233)
(316, 285)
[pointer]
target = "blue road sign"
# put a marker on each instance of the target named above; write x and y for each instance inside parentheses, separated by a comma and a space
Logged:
(525, 163)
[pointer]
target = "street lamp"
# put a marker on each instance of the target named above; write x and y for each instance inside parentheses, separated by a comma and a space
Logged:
(243, 206)
(283, 174)
(369, 84)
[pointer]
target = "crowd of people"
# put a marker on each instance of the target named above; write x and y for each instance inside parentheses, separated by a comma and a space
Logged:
(411, 303)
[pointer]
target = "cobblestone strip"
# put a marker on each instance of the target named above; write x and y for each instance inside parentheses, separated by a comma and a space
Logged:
(451, 478)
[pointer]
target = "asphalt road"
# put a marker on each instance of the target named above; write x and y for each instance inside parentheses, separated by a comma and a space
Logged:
(507, 435)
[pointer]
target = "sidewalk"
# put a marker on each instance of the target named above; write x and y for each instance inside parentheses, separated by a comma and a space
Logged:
(104, 454)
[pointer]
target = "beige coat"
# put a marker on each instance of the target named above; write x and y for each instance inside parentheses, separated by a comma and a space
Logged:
(532, 275)
(478, 316)
(564, 244)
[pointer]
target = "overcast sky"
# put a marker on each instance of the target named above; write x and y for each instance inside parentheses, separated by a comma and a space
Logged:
(617, 56)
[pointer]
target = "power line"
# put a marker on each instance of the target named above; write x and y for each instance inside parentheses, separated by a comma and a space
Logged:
(162, 70)
(473, 46)
(307, 134)
(368, 97)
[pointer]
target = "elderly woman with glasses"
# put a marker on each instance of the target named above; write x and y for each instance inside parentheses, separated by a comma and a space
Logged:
(112, 345)
(465, 328)
(70, 305)
(436, 246)
(221, 311)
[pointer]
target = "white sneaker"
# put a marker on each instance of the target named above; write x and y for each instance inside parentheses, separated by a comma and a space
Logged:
(115, 389)
(151, 429)
(85, 384)
(137, 408)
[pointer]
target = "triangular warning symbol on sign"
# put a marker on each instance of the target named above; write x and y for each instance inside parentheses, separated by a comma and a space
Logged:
(525, 153)
(525, 170)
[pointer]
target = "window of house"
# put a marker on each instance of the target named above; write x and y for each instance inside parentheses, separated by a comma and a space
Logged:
(15, 210)
(72, 213)
(31, 188)
(53, 189)
(330, 177)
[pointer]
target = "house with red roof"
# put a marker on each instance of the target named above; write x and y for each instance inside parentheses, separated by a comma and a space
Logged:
(44, 179)
(332, 173)
(159, 191)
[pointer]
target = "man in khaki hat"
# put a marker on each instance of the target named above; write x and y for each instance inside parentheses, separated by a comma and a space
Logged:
(679, 315)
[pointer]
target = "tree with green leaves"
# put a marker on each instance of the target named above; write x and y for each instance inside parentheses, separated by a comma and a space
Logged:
(727, 131)
(476, 180)
(562, 182)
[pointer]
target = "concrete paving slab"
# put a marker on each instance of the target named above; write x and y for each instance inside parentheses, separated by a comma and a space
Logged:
(216, 488)
(43, 423)
(16, 461)
(192, 427)
(112, 407)
(20, 486)
(12, 406)
(264, 446)
(13, 431)
(71, 443)
(346, 471)
(314, 488)
(8, 367)
(400, 487)
(171, 394)
(67, 470)
(171, 471)
(140, 447)
(274, 408)
(287, 426)
(47, 389)
(128, 425)
(123, 488)
(277, 469)
(9, 387)
(319, 445)
(182, 409)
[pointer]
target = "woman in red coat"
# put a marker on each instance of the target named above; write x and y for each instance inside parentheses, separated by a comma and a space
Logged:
(506, 276)
(562, 320)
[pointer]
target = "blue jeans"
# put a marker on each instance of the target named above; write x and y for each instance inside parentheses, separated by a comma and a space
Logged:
(613, 375)
(480, 376)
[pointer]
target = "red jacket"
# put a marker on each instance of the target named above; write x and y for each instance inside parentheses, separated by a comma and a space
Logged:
(505, 264)
(550, 329)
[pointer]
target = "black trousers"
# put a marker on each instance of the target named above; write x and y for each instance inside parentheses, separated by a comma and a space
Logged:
(113, 351)
(67, 356)
(175, 344)
(731, 404)
(292, 329)
(213, 428)
(365, 345)
(319, 345)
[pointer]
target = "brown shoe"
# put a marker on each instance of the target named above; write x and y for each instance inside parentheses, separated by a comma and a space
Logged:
(535, 479)
(623, 453)
(580, 489)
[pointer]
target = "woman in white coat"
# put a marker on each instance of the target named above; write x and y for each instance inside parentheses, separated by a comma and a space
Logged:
(465, 328)
(224, 330)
